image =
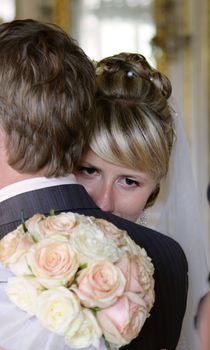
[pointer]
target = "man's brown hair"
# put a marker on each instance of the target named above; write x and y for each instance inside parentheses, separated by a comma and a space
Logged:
(47, 86)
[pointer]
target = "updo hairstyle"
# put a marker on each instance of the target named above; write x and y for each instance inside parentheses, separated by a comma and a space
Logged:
(134, 123)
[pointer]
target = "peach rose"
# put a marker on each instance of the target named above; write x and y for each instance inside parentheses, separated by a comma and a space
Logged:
(100, 284)
(9, 244)
(13, 249)
(53, 261)
(122, 321)
(40, 226)
(129, 265)
(138, 278)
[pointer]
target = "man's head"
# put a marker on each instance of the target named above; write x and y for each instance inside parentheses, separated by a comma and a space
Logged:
(47, 85)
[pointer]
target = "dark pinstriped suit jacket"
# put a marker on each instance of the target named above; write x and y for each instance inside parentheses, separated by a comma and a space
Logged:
(162, 328)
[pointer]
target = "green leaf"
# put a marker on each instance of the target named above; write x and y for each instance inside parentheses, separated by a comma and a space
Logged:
(52, 212)
(95, 310)
(83, 266)
(23, 221)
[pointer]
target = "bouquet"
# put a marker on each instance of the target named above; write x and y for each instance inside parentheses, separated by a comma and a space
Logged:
(82, 277)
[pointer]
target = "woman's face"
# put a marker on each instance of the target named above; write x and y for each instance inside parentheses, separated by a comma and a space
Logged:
(116, 189)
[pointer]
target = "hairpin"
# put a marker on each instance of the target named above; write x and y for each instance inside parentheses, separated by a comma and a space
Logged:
(130, 73)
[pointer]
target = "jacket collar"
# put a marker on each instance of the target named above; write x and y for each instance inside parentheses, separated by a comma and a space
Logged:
(60, 198)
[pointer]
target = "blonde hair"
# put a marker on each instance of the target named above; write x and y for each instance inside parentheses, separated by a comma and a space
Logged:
(134, 124)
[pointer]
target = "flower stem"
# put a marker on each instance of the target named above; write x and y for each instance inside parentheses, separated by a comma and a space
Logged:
(107, 344)
(23, 221)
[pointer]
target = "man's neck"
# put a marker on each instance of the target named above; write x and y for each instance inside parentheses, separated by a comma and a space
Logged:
(9, 176)
(33, 184)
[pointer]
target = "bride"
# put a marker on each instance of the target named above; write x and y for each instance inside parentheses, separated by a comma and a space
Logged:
(138, 148)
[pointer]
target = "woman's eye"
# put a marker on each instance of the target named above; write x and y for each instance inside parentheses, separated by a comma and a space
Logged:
(131, 182)
(87, 170)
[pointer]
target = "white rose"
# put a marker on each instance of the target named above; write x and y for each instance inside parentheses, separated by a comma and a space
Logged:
(91, 244)
(89, 332)
(58, 310)
(23, 292)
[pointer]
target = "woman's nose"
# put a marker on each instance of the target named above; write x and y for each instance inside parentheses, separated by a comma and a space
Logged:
(105, 199)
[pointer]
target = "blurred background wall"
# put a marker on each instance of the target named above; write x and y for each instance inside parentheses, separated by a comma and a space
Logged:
(174, 35)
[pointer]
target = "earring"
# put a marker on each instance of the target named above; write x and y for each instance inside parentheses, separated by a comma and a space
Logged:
(143, 218)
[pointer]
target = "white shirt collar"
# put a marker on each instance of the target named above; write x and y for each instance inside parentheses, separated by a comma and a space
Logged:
(34, 183)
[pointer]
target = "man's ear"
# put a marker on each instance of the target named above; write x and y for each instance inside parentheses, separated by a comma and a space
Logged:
(2, 140)
(3, 146)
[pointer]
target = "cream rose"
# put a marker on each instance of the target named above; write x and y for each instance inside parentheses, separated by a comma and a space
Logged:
(149, 297)
(91, 244)
(53, 261)
(100, 284)
(58, 224)
(146, 271)
(111, 231)
(88, 334)
(131, 247)
(33, 226)
(134, 249)
(58, 310)
(23, 292)
(83, 219)
(122, 321)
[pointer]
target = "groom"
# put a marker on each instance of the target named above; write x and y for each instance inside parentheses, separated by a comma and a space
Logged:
(47, 87)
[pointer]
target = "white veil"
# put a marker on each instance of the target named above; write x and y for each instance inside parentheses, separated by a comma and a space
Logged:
(180, 218)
